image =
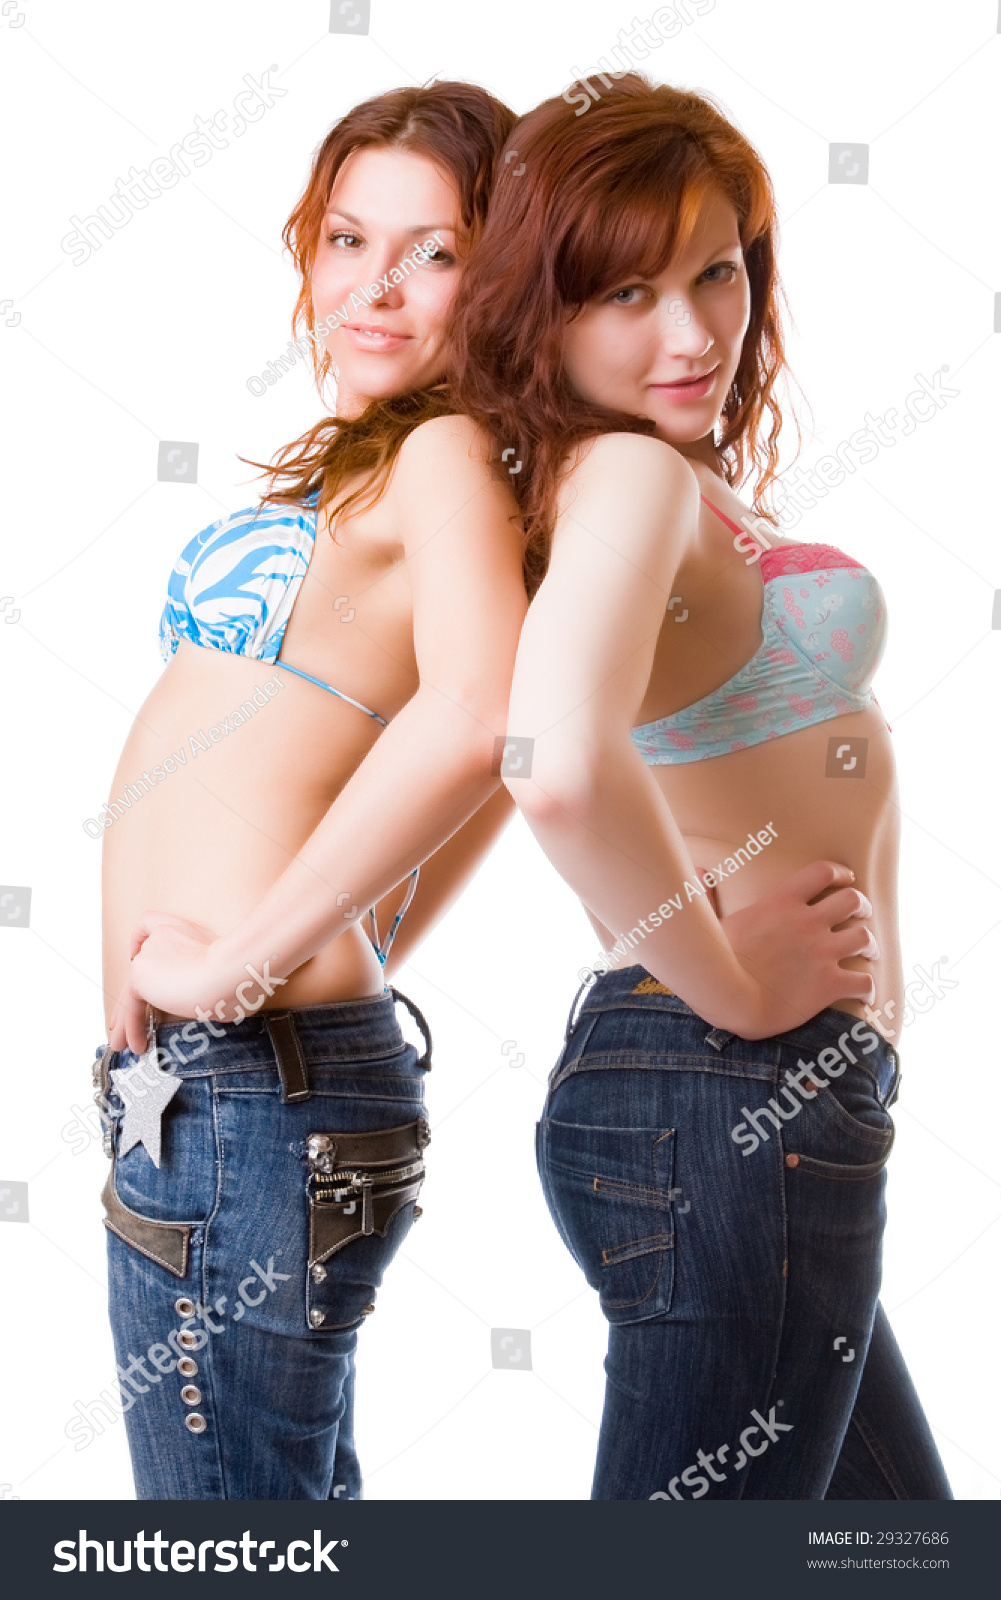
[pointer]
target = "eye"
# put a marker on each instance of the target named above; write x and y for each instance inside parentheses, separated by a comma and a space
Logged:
(341, 234)
(731, 267)
(440, 258)
(626, 296)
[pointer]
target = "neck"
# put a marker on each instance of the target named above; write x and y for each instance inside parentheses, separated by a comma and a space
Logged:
(350, 404)
(703, 450)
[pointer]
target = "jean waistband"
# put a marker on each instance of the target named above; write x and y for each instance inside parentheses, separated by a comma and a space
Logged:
(335, 1032)
(635, 988)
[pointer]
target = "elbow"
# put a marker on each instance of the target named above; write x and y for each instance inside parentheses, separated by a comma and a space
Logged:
(544, 790)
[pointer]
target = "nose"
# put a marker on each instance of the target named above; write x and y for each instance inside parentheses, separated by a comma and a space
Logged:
(391, 296)
(682, 333)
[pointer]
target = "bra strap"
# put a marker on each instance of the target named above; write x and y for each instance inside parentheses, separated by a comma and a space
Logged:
(338, 692)
(382, 950)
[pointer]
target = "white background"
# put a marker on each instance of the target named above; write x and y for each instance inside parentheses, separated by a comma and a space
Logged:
(154, 337)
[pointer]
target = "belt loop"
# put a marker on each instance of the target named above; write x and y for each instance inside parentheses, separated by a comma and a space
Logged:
(99, 1071)
(718, 1038)
(894, 1089)
(288, 1054)
(591, 977)
(421, 1022)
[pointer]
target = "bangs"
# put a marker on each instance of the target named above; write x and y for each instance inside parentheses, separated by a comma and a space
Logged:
(635, 221)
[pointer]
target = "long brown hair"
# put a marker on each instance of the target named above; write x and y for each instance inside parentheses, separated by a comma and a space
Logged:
(590, 199)
(462, 129)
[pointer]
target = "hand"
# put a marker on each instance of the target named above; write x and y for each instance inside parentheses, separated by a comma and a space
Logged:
(169, 958)
(790, 951)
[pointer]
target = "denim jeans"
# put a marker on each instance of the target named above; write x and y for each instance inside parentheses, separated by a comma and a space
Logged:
(235, 1343)
(726, 1199)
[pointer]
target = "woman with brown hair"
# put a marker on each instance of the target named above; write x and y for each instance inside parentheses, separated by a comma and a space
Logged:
(712, 1152)
(267, 1140)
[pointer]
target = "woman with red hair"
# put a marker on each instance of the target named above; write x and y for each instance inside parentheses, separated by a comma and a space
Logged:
(691, 692)
(267, 1139)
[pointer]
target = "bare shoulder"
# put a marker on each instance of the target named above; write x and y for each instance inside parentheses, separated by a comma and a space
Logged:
(639, 490)
(446, 442)
(635, 451)
(445, 487)
(635, 465)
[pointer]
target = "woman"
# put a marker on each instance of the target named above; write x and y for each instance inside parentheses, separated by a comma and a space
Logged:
(713, 1162)
(263, 1179)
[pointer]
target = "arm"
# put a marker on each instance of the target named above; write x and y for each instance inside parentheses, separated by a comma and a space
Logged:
(584, 662)
(426, 774)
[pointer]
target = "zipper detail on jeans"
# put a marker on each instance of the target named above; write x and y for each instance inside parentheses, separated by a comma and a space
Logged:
(340, 1188)
(356, 1176)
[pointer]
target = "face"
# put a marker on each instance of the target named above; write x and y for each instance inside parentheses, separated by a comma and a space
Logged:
(668, 347)
(383, 206)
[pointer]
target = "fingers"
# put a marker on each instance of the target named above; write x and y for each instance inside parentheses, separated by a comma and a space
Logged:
(855, 986)
(856, 941)
(132, 1023)
(842, 904)
(162, 919)
(817, 876)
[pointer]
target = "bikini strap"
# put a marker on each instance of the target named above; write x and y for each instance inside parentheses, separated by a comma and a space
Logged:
(338, 692)
(382, 950)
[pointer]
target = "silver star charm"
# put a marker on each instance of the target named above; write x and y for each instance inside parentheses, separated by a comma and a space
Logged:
(146, 1093)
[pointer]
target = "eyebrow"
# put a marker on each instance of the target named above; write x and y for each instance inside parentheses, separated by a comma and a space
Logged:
(718, 248)
(416, 228)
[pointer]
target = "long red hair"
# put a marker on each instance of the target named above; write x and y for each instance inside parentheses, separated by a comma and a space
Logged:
(581, 203)
(462, 129)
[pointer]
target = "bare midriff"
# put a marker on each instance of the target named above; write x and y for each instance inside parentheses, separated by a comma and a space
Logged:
(211, 838)
(781, 784)
(718, 801)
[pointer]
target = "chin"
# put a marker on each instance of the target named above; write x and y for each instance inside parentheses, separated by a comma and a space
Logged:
(681, 430)
(381, 383)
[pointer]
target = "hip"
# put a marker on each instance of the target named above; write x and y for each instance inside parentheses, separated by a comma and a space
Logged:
(638, 1058)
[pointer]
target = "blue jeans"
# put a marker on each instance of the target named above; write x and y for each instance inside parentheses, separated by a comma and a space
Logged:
(241, 1268)
(726, 1199)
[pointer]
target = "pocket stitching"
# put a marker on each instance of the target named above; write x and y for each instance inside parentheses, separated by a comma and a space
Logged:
(844, 1119)
(148, 1253)
(838, 1173)
(651, 1243)
(621, 1305)
(652, 1197)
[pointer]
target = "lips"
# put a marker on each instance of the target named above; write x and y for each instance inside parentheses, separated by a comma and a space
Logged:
(688, 388)
(682, 385)
(369, 336)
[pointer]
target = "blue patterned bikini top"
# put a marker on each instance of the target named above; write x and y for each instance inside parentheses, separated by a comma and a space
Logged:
(234, 585)
(823, 629)
(233, 588)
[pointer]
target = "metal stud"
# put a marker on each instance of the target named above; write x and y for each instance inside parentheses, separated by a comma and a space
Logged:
(318, 1273)
(188, 1339)
(316, 1317)
(184, 1307)
(366, 1311)
(186, 1367)
(418, 1212)
(191, 1395)
(319, 1144)
(195, 1422)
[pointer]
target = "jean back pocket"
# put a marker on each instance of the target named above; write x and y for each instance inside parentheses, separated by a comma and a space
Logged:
(610, 1194)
